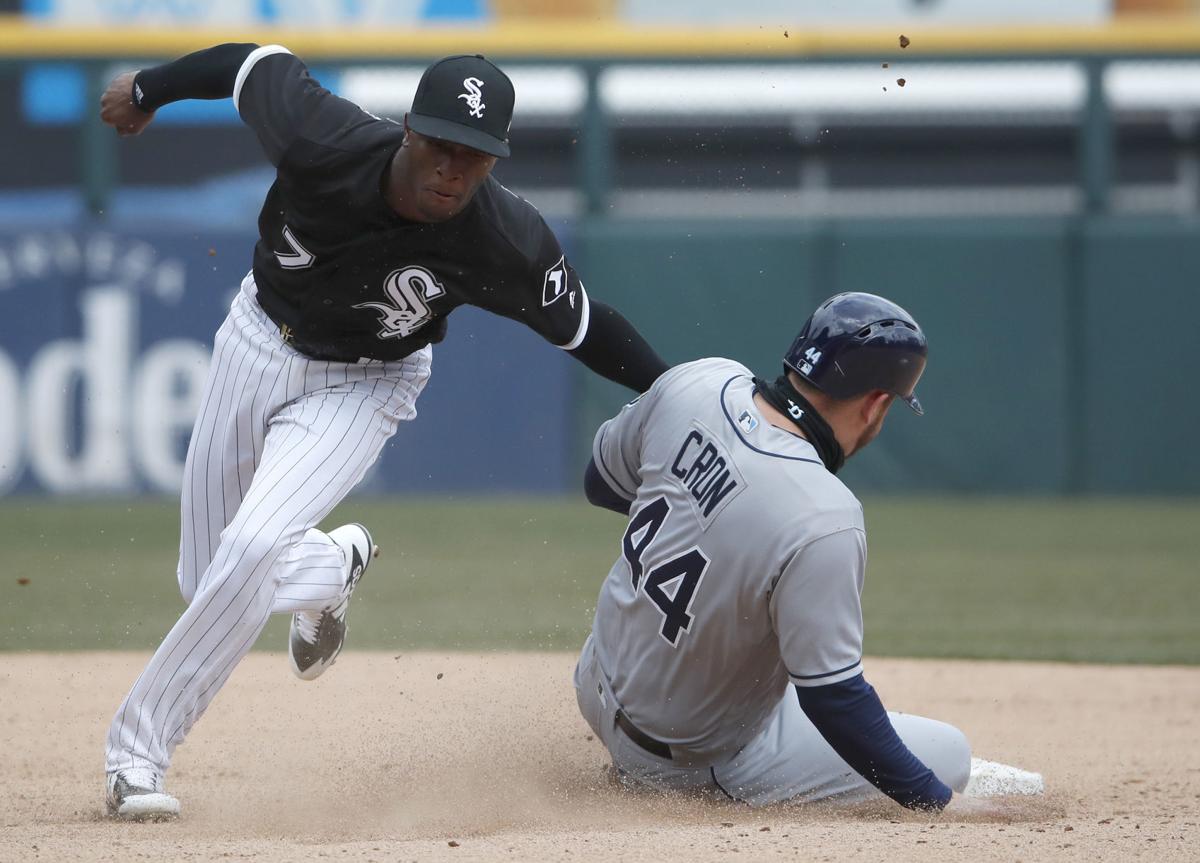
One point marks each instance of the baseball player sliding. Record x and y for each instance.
(373, 232)
(726, 651)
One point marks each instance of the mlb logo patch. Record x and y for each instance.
(746, 422)
(556, 282)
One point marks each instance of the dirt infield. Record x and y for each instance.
(469, 757)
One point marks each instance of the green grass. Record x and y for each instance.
(1094, 580)
(1099, 580)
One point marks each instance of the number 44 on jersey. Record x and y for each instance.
(681, 573)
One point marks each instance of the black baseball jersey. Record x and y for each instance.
(342, 274)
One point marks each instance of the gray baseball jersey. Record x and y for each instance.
(741, 567)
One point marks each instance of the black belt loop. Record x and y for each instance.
(641, 738)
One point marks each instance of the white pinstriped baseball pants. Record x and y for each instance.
(279, 441)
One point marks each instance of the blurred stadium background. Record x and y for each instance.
(1023, 176)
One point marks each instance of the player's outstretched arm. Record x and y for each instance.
(851, 718)
(130, 100)
(614, 349)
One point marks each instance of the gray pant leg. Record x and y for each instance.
(790, 760)
(636, 768)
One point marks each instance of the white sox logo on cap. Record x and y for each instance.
(474, 96)
(449, 104)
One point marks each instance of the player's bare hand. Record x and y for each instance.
(117, 108)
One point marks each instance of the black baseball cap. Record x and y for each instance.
(465, 99)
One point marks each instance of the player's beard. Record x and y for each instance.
(868, 434)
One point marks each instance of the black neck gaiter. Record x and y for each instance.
(782, 396)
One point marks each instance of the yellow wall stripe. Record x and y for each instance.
(22, 40)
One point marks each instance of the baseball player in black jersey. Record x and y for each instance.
(373, 232)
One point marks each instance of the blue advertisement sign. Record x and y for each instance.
(105, 341)
(317, 14)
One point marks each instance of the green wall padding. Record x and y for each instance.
(1140, 323)
(1052, 341)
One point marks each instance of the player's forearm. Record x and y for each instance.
(614, 349)
(207, 74)
(851, 718)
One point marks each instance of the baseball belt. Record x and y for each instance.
(316, 351)
(641, 738)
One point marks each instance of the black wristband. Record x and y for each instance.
(138, 93)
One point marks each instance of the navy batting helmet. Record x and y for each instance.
(855, 343)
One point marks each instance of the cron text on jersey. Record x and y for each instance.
(706, 471)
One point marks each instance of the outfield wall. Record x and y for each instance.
(105, 338)
(1056, 337)
(1063, 351)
